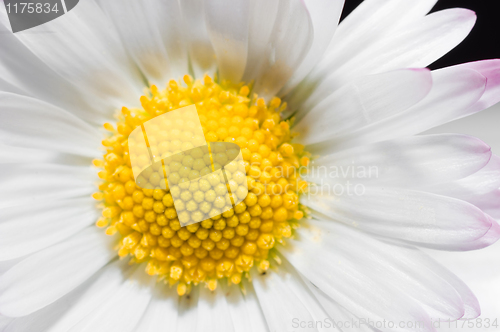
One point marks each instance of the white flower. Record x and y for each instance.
(357, 100)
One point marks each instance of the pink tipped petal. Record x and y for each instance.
(417, 217)
(365, 101)
(489, 203)
(454, 91)
(410, 162)
(487, 239)
(415, 45)
(473, 187)
(491, 70)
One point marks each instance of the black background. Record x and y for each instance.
(482, 43)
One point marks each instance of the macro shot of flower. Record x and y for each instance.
(243, 165)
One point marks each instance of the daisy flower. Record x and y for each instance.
(342, 193)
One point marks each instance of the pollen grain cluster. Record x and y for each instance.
(229, 244)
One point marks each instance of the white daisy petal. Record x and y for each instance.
(61, 315)
(6, 265)
(410, 162)
(26, 74)
(33, 227)
(55, 267)
(414, 46)
(4, 322)
(370, 22)
(187, 314)
(280, 305)
(245, 310)
(325, 15)
(470, 189)
(420, 44)
(10, 154)
(213, 311)
(424, 218)
(339, 316)
(297, 285)
(161, 311)
(201, 51)
(152, 33)
(31, 123)
(453, 92)
(289, 43)
(365, 101)
(260, 27)
(9, 87)
(353, 269)
(123, 310)
(87, 52)
(45, 182)
(227, 24)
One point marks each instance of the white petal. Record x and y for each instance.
(453, 91)
(427, 40)
(187, 319)
(353, 269)
(86, 51)
(245, 310)
(24, 73)
(45, 182)
(325, 15)
(8, 87)
(122, 310)
(46, 276)
(4, 322)
(338, 314)
(472, 187)
(280, 305)
(418, 217)
(152, 33)
(6, 265)
(161, 311)
(480, 269)
(227, 24)
(201, 51)
(213, 311)
(414, 162)
(296, 284)
(416, 45)
(10, 154)
(289, 43)
(27, 229)
(31, 123)
(74, 306)
(368, 24)
(365, 101)
(260, 27)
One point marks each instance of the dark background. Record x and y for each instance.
(482, 43)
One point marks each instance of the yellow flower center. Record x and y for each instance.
(229, 244)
